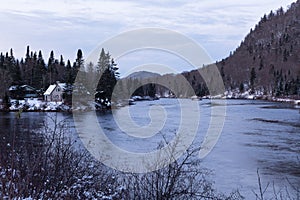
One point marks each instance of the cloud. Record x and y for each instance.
(65, 26)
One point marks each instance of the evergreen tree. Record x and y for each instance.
(103, 62)
(1, 61)
(61, 62)
(68, 74)
(242, 88)
(78, 66)
(151, 90)
(16, 76)
(107, 69)
(79, 62)
(51, 68)
(27, 53)
(68, 77)
(13, 68)
(222, 72)
(40, 72)
(252, 79)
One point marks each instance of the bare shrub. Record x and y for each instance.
(287, 192)
(182, 179)
(47, 165)
(50, 164)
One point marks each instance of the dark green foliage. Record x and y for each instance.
(6, 102)
(252, 77)
(271, 46)
(33, 71)
(285, 55)
(242, 88)
(52, 71)
(261, 64)
(151, 90)
(202, 90)
(145, 90)
(222, 72)
(40, 72)
(68, 74)
(13, 67)
(107, 70)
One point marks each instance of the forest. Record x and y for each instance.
(33, 70)
(267, 61)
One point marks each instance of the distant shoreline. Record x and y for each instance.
(69, 109)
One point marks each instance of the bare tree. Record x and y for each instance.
(49, 165)
(182, 179)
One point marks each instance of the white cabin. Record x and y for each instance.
(55, 92)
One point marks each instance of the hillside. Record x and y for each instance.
(266, 62)
(142, 75)
(271, 51)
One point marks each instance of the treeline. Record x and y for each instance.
(268, 58)
(37, 72)
(182, 85)
(266, 62)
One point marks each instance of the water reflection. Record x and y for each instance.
(256, 134)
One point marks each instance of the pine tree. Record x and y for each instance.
(27, 53)
(91, 78)
(79, 62)
(103, 62)
(78, 66)
(151, 90)
(252, 79)
(1, 61)
(242, 88)
(69, 82)
(51, 68)
(68, 73)
(40, 72)
(5, 77)
(222, 72)
(107, 69)
(61, 62)
(13, 68)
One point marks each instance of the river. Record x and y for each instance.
(257, 135)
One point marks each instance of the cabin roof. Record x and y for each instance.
(62, 85)
(21, 87)
(50, 89)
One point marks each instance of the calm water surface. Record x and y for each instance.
(256, 135)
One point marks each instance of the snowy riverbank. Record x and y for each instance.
(34, 104)
(37, 105)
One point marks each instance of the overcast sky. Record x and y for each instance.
(67, 25)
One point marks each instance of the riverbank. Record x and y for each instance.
(257, 96)
(37, 105)
(34, 105)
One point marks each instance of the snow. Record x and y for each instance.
(297, 102)
(62, 85)
(34, 104)
(12, 88)
(50, 89)
(52, 106)
(249, 94)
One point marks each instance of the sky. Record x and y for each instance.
(68, 25)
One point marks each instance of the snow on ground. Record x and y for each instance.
(34, 104)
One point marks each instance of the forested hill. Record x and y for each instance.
(270, 52)
(266, 62)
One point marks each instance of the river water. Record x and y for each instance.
(256, 135)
